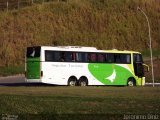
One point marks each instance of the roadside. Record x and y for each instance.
(156, 67)
(19, 78)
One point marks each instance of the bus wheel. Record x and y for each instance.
(72, 81)
(83, 81)
(131, 82)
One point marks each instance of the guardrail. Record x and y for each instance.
(150, 84)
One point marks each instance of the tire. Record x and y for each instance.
(72, 81)
(131, 82)
(83, 81)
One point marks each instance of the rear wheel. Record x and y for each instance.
(72, 81)
(131, 82)
(83, 81)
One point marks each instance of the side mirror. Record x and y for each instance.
(146, 68)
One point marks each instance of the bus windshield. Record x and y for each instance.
(137, 58)
(33, 52)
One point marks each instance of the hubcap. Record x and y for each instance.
(72, 83)
(130, 83)
(83, 83)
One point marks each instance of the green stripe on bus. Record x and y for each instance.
(110, 74)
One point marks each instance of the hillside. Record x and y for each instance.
(105, 24)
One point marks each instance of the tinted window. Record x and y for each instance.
(122, 58)
(52, 56)
(92, 57)
(118, 58)
(82, 57)
(33, 52)
(65, 56)
(100, 57)
(137, 58)
(109, 57)
(126, 58)
(69, 56)
(59, 56)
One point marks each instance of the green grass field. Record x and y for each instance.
(11, 70)
(52, 102)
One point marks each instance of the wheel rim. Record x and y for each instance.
(83, 83)
(72, 83)
(130, 83)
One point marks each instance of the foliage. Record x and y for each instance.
(11, 70)
(105, 24)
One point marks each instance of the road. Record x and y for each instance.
(17, 81)
(12, 81)
(20, 81)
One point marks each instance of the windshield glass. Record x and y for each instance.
(137, 58)
(33, 52)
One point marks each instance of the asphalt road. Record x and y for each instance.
(12, 80)
(20, 81)
(17, 81)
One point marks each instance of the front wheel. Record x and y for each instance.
(131, 82)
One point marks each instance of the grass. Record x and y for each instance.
(78, 102)
(11, 70)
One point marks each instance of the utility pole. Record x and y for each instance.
(150, 41)
(7, 5)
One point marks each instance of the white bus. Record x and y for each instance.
(75, 65)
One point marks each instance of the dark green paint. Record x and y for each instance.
(33, 68)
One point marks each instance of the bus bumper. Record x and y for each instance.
(32, 80)
(143, 81)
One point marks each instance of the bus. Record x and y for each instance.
(83, 66)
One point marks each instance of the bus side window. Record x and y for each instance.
(109, 57)
(125, 58)
(56, 56)
(48, 56)
(81, 57)
(68, 57)
(117, 58)
(92, 57)
(84, 57)
(53, 56)
(78, 57)
(100, 57)
(128, 59)
(74, 56)
(62, 57)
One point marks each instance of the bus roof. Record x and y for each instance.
(71, 48)
(84, 49)
(122, 51)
